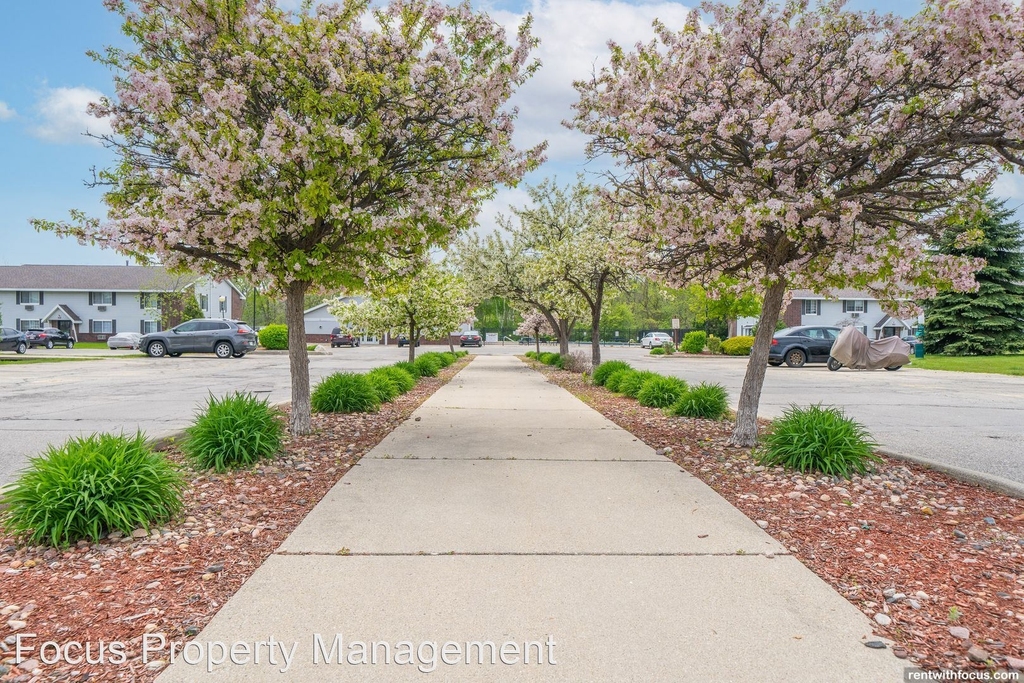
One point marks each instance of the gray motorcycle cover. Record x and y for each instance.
(854, 350)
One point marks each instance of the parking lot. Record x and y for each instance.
(969, 420)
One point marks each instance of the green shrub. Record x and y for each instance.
(274, 337)
(603, 371)
(443, 359)
(694, 342)
(669, 347)
(631, 385)
(427, 365)
(658, 351)
(345, 392)
(818, 439)
(737, 346)
(661, 392)
(530, 354)
(235, 430)
(546, 357)
(409, 368)
(557, 361)
(613, 382)
(400, 376)
(384, 386)
(714, 345)
(710, 401)
(89, 486)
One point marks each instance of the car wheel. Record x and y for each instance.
(796, 358)
(892, 368)
(237, 355)
(49, 343)
(833, 364)
(71, 344)
(223, 350)
(176, 354)
(357, 344)
(775, 363)
(157, 349)
(22, 347)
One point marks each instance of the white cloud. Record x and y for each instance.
(6, 113)
(1009, 186)
(63, 116)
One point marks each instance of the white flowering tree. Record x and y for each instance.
(303, 149)
(433, 302)
(534, 324)
(808, 146)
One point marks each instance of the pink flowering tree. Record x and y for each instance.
(303, 149)
(534, 324)
(809, 146)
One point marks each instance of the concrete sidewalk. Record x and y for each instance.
(512, 513)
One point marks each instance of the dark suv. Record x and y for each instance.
(339, 338)
(796, 346)
(49, 337)
(226, 338)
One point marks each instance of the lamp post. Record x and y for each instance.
(223, 308)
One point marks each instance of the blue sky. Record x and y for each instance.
(47, 79)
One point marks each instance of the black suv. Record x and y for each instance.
(339, 338)
(49, 337)
(226, 338)
(12, 340)
(796, 346)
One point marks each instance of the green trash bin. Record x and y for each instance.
(919, 350)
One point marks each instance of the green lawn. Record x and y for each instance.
(90, 345)
(31, 360)
(1000, 365)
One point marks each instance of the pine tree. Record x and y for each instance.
(991, 320)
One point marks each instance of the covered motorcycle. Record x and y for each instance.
(854, 350)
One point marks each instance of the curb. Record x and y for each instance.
(990, 481)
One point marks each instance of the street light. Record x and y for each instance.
(223, 307)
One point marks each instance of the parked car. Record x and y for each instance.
(404, 341)
(49, 337)
(471, 339)
(796, 346)
(124, 340)
(13, 340)
(339, 338)
(653, 339)
(526, 340)
(226, 338)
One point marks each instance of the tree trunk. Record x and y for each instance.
(745, 432)
(451, 347)
(536, 339)
(298, 358)
(595, 339)
(412, 341)
(563, 337)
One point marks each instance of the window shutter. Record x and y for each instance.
(17, 298)
(113, 298)
(17, 324)
(865, 305)
(90, 303)
(90, 320)
(113, 326)
(142, 299)
(142, 327)
(40, 298)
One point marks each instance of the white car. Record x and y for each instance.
(655, 339)
(124, 340)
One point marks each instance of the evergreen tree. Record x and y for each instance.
(991, 320)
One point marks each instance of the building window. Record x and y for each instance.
(855, 306)
(149, 300)
(150, 326)
(101, 298)
(101, 326)
(30, 298)
(812, 306)
(27, 325)
(204, 302)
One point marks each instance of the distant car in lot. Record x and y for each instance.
(471, 339)
(49, 337)
(13, 340)
(339, 338)
(796, 346)
(653, 339)
(526, 340)
(911, 339)
(404, 341)
(225, 338)
(124, 340)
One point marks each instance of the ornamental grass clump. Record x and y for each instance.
(661, 392)
(427, 365)
(386, 388)
(630, 385)
(90, 486)
(400, 376)
(818, 439)
(603, 371)
(345, 392)
(235, 430)
(409, 368)
(710, 401)
(658, 351)
(613, 382)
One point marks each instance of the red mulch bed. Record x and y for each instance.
(955, 551)
(173, 581)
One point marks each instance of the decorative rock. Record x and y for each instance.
(989, 520)
(977, 654)
(875, 644)
(914, 604)
(1015, 663)
(883, 619)
(889, 592)
(959, 534)
(793, 495)
(208, 576)
(16, 624)
(921, 595)
(763, 524)
(959, 632)
(140, 533)
(152, 584)
(900, 652)
(29, 665)
(215, 568)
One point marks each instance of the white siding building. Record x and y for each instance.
(839, 309)
(94, 302)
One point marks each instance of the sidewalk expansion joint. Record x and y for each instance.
(345, 553)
